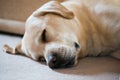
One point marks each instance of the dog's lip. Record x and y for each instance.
(42, 59)
(69, 63)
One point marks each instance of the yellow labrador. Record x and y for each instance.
(62, 32)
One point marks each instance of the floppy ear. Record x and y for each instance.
(54, 7)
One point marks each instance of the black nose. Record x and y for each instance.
(55, 61)
(52, 60)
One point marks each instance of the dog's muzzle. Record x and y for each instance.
(55, 61)
(62, 57)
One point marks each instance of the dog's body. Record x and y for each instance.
(64, 32)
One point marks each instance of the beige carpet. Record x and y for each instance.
(14, 67)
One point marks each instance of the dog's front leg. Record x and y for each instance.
(116, 54)
(12, 26)
(15, 50)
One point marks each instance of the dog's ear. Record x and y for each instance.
(54, 7)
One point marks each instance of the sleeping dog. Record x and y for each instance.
(63, 32)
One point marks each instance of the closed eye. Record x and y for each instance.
(44, 36)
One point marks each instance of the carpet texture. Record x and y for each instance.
(15, 67)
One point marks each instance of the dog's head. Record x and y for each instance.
(51, 33)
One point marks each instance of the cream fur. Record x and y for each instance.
(93, 24)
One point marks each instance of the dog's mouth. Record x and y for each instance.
(55, 61)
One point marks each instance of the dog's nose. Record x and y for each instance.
(52, 60)
(55, 61)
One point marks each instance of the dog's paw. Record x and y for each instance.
(8, 49)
